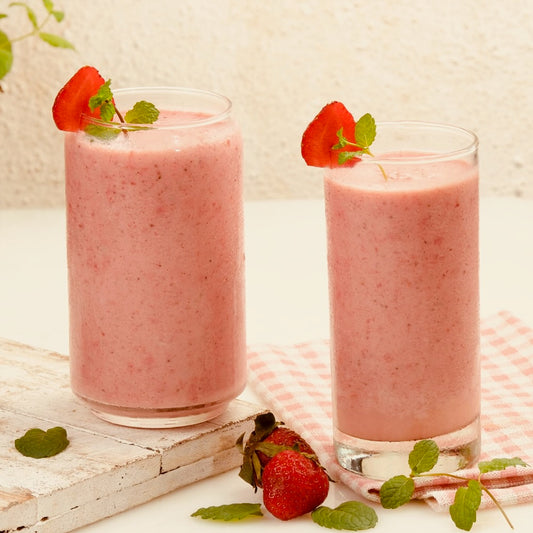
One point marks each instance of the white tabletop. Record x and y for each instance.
(286, 303)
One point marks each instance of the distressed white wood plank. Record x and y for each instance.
(92, 467)
(106, 468)
(136, 495)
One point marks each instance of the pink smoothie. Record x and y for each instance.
(403, 271)
(156, 266)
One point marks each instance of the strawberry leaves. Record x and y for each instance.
(251, 467)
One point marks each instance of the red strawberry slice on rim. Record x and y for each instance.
(72, 101)
(321, 135)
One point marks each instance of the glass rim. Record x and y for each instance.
(470, 145)
(190, 123)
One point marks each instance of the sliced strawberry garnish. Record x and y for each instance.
(72, 101)
(321, 135)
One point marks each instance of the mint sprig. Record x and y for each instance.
(398, 490)
(39, 444)
(142, 113)
(6, 43)
(365, 135)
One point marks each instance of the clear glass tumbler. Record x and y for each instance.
(156, 261)
(403, 262)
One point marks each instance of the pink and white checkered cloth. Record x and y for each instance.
(294, 381)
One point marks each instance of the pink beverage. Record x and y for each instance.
(156, 263)
(403, 268)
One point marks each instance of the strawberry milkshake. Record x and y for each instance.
(156, 263)
(404, 298)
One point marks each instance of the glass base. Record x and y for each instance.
(382, 460)
(156, 418)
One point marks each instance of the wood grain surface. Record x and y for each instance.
(105, 469)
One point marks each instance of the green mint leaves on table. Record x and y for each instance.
(351, 516)
(230, 512)
(395, 492)
(6, 43)
(398, 490)
(141, 113)
(38, 444)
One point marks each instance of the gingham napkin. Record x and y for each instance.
(294, 381)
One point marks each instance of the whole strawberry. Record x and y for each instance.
(293, 485)
(283, 436)
(268, 438)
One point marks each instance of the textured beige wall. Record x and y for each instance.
(457, 61)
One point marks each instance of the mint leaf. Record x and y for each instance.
(499, 464)
(104, 100)
(464, 508)
(38, 444)
(230, 512)
(55, 40)
(142, 113)
(346, 156)
(396, 491)
(365, 131)
(424, 456)
(102, 132)
(342, 140)
(352, 516)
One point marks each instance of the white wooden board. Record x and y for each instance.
(106, 469)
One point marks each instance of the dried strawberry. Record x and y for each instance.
(72, 101)
(293, 485)
(321, 136)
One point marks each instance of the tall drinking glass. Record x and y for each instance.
(403, 265)
(156, 262)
